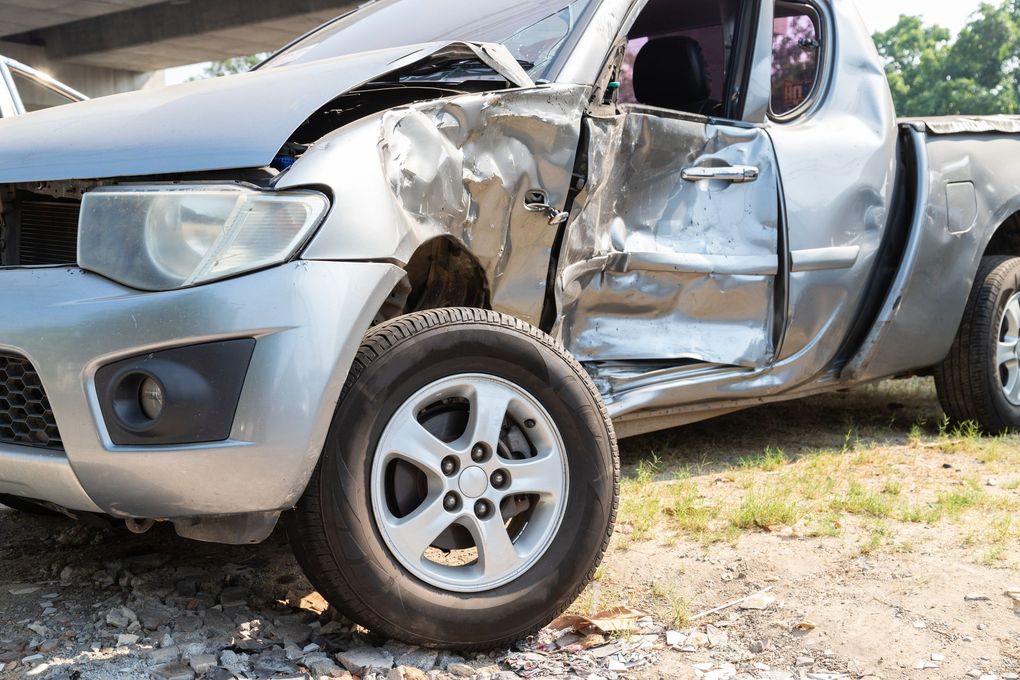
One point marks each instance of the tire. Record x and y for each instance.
(350, 533)
(972, 382)
(25, 506)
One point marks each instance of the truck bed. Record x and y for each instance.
(956, 125)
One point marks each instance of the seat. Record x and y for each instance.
(671, 73)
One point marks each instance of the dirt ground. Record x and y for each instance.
(873, 539)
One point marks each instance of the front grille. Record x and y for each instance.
(48, 233)
(25, 414)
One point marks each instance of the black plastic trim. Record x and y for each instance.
(202, 386)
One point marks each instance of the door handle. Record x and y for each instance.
(538, 201)
(736, 174)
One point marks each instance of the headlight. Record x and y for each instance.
(166, 237)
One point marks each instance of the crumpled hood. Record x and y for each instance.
(239, 121)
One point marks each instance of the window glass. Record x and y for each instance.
(534, 31)
(795, 56)
(676, 57)
(36, 96)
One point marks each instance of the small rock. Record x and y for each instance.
(364, 660)
(187, 623)
(164, 655)
(920, 624)
(759, 646)
(406, 673)
(976, 597)
(758, 601)
(24, 590)
(202, 663)
(125, 639)
(153, 619)
(804, 661)
(462, 670)
(234, 597)
(121, 617)
(804, 626)
(321, 665)
(938, 657)
(422, 659)
(218, 621)
(34, 658)
(675, 638)
(172, 671)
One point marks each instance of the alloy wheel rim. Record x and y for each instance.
(1007, 353)
(500, 484)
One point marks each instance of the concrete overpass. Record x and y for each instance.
(106, 46)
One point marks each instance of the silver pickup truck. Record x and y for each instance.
(406, 282)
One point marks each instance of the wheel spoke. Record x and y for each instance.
(542, 475)
(413, 534)
(489, 404)
(415, 444)
(1012, 318)
(496, 552)
(1005, 353)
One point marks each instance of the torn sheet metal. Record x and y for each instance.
(460, 168)
(958, 125)
(238, 121)
(495, 56)
(656, 267)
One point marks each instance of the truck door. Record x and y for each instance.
(675, 246)
(835, 133)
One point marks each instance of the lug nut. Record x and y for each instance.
(529, 423)
(479, 453)
(451, 502)
(482, 509)
(499, 479)
(449, 466)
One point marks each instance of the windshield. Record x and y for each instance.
(534, 31)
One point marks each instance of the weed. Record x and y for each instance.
(765, 508)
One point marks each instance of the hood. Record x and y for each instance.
(239, 121)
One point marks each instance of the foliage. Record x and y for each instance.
(931, 73)
(227, 67)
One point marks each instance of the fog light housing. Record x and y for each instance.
(151, 398)
(186, 395)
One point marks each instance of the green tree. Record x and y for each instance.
(931, 73)
(227, 67)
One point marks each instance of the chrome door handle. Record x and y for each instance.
(538, 201)
(737, 174)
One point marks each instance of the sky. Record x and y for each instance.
(953, 14)
(878, 14)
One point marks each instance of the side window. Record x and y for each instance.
(36, 96)
(677, 58)
(796, 48)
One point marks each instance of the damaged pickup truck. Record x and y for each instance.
(402, 282)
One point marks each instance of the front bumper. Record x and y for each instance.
(308, 319)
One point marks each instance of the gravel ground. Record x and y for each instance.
(81, 602)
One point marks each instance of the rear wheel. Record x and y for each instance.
(980, 379)
(468, 486)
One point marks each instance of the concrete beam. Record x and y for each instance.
(93, 81)
(168, 22)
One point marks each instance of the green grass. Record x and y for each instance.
(766, 507)
(859, 500)
(770, 460)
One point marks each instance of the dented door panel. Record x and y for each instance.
(658, 267)
(461, 168)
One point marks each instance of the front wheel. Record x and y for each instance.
(468, 486)
(980, 379)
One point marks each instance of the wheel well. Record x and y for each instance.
(441, 273)
(1006, 240)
